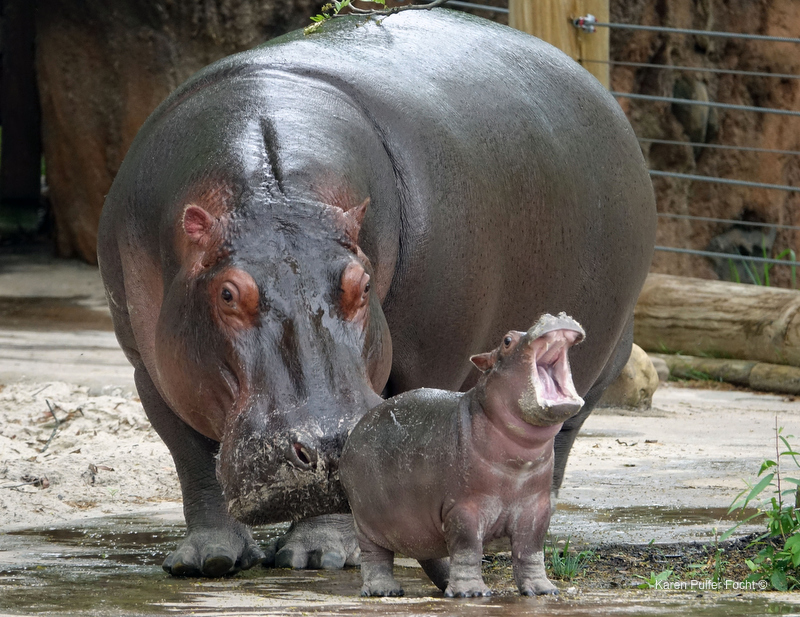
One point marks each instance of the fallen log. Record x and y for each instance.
(756, 375)
(697, 317)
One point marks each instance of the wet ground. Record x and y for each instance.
(111, 566)
(666, 475)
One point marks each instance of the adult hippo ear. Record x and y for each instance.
(360, 304)
(353, 219)
(201, 239)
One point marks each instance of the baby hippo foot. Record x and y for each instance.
(467, 588)
(538, 587)
(318, 543)
(530, 575)
(215, 552)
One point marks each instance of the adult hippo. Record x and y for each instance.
(326, 217)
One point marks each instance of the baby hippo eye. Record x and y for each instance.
(227, 296)
(507, 341)
(366, 288)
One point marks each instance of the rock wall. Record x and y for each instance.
(656, 120)
(104, 66)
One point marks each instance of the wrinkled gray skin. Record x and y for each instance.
(432, 474)
(300, 227)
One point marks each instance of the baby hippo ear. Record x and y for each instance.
(484, 361)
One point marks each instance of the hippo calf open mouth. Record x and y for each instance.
(551, 397)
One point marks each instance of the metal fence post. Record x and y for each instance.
(551, 21)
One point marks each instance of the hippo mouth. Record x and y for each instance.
(551, 397)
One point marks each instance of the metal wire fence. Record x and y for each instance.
(588, 23)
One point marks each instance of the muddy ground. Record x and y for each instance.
(89, 498)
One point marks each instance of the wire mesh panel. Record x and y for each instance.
(717, 113)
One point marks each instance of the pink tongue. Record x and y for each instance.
(549, 388)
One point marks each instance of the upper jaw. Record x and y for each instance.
(550, 397)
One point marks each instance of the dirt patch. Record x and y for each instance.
(66, 454)
(625, 566)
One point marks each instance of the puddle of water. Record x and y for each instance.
(642, 524)
(653, 515)
(51, 314)
(112, 566)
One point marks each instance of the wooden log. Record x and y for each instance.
(712, 318)
(756, 375)
(551, 21)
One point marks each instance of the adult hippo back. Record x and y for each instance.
(327, 217)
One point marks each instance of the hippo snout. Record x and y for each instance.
(285, 476)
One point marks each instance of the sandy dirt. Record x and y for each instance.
(102, 458)
(667, 474)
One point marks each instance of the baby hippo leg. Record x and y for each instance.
(529, 574)
(465, 545)
(527, 555)
(376, 569)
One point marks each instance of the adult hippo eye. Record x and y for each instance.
(236, 298)
(507, 341)
(367, 288)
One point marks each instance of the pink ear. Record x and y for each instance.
(353, 219)
(197, 223)
(484, 361)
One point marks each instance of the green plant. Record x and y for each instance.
(779, 560)
(335, 8)
(654, 581)
(762, 278)
(565, 565)
(716, 563)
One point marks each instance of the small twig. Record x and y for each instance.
(22, 484)
(53, 412)
(394, 9)
(39, 391)
(55, 429)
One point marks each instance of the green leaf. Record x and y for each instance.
(318, 18)
(778, 580)
(764, 483)
(766, 465)
(794, 481)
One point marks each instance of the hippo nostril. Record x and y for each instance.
(302, 456)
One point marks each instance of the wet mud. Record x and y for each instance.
(112, 566)
(46, 314)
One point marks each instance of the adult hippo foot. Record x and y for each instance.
(215, 552)
(382, 587)
(318, 543)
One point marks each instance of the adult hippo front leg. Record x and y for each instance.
(215, 544)
(568, 433)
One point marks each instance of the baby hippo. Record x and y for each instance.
(435, 475)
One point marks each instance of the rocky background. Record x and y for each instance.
(102, 68)
(715, 126)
